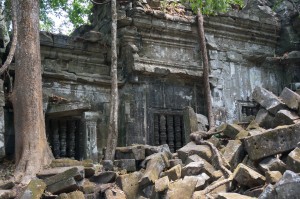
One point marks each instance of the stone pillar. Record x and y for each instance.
(89, 122)
(2, 127)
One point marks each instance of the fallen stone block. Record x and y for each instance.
(273, 141)
(129, 183)
(75, 172)
(72, 195)
(267, 100)
(174, 173)
(232, 196)
(148, 192)
(290, 98)
(89, 171)
(127, 164)
(264, 119)
(272, 164)
(65, 162)
(7, 194)
(136, 152)
(234, 153)
(242, 134)
(254, 192)
(273, 176)
(87, 187)
(162, 184)
(34, 189)
(286, 188)
(155, 166)
(5, 185)
(293, 160)
(108, 165)
(285, 117)
(201, 180)
(64, 186)
(46, 173)
(247, 176)
(232, 130)
(183, 188)
(149, 150)
(114, 193)
(174, 162)
(193, 168)
(191, 148)
(104, 177)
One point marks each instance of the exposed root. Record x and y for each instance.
(212, 187)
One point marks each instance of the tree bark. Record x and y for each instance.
(32, 151)
(114, 104)
(207, 90)
(14, 40)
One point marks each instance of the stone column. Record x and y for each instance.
(2, 127)
(89, 122)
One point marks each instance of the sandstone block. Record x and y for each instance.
(293, 160)
(129, 183)
(108, 165)
(174, 173)
(75, 172)
(7, 194)
(285, 117)
(290, 98)
(162, 184)
(64, 186)
(174, 162)
(232, 196)
(57, 170)
(264, 119)
(271, 164)
(72, 195)
(34, 189)
(104, 177)
(191, 148)
(136, 152)
(286, 188)
(234, 153)
(267, 100)
(273, 141)
(201, 180)
(232, 130)
(65, 162)
(114, 193)
(273, 176)
(247, 176)
(183, 188)
(128, 164)
(193, 168)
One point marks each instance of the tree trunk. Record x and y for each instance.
(207, 90)
(114, 103)
(31, 148)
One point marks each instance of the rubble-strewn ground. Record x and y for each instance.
(6, 169)
(258, 160)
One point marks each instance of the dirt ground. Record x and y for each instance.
(6, 169)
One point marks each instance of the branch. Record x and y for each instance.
(14, 41)
(99, 3)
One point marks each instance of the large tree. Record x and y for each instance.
(31, 148)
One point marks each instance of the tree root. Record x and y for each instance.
(212, 187)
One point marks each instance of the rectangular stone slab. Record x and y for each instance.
(274, 141)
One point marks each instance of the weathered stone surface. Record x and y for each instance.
(162, 184)
(242, 134)
(136, 152)
(201, 180)
(232, 130)
(174, 173)
(104, 177)
(247, 176)
(87, 187)
(128, 164)
(273, 176)
(232, 196)
(72, 195)
(234, 153)
(273, 141)
(272, 164)
(149, 150)
(6, 184)
(285, 117)
(264, 119)
(286, 188)
(108, 165)
(7, 194)
(191, 148)
(65, 162)
(190, 121)
(193, 168)
(293, 160)
(64, 186)
(183, 188)
(34, 189)
(267, 99)
(75, 172)
(129, 183)
(290, 98)
(114, 193)
(56, 170)
(89, 171)
(174, 162)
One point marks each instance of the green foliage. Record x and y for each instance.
(211, 7)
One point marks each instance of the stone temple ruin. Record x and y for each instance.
(160, 74)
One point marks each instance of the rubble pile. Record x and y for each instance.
(260, 160)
